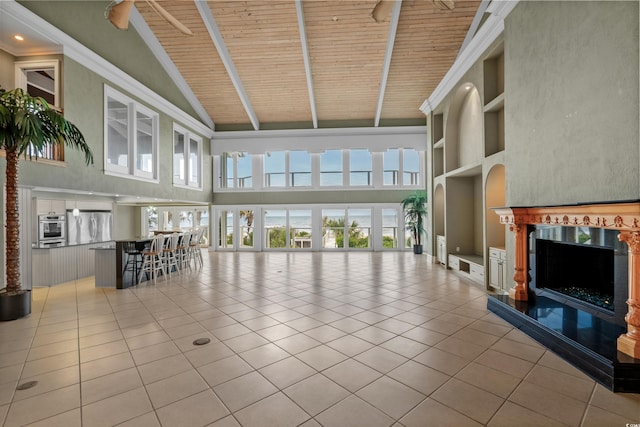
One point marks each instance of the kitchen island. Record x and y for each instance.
(125, 279)
(60, 264)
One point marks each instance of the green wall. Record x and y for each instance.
(85, 22)
(571, 103)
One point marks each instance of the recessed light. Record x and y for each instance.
(18, 37)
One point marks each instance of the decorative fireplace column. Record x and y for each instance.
(624, 217)
(629, 343)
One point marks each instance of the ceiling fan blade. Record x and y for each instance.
(118, 13)
(169, 17)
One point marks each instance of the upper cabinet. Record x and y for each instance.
(50, 206)
(493, 68)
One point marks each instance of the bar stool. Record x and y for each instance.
(152, 259)
(194, 247)
(183, 251)
(170, 253)
(133, 261)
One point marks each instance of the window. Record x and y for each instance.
(359, 228)
(389, 228)
(131, 137)
(300, 229)
(275, 229)
(300, 169)
(42, 79)
(187, 158)
(236, 164)
(391, 166)
(331, 168)
(275, 169)
(360, 169)
(333, 228)
(410, 167)
(246, 227)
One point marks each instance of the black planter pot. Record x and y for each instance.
(417, 249)
(15, 306)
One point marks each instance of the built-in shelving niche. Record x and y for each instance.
(494, 141)
(438, 145)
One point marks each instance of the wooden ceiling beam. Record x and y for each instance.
(218, 41)
(307, 63)
(393, 27)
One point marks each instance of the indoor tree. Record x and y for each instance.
(27, 125)
(415, 211)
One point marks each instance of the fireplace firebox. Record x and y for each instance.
(582, 267)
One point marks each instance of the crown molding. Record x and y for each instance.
(94, 62)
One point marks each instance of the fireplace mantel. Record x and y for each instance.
(623, 216)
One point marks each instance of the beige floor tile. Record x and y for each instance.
(48, 381)
(101, 338)
(505, 363)
(321, 357)
(264, 355)
(419, 377)
(460, 348)
(186, 344)
(442, 361)
(44, 339)
(510, 415)
(442, 326)
(490, 328)
(185, 330)
(486, 378)
(316, 393)
(43, 406)
(404, 346)
(297, 343)
(623, 404)
(116, 409)
(10, 374)
(468, 400)
(175, 388)
(71, 418)
(146, 328)
(245, 390)
(549, 403)
(325, 333)
(350, 345)
(381, 359)
(260, 323)
(596, 417)
(163, 368)
(391, 397)
(374, 335)
(103, 350)
(224, 370)
(574, 387)
(110, 385)
(474, 336)
(516, 349)
(425, 336)
(106, 365)
(144, 340)
(349, 325)
(154, 352)
(230, 331)
(352, 374)
(276, 410)
(245, 342)
(286, 372)
(146, 420)
(553, 361)
(48, 364)
(85, 331)
(304, 323)
(52, 349)
(353, 412)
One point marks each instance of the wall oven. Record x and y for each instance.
(51, 230)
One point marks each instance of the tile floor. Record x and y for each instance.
(332, 339)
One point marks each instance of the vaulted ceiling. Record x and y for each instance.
(261, 64)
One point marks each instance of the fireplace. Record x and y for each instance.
(586, 268)
(565, 258)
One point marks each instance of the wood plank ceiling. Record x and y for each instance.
(267, 79)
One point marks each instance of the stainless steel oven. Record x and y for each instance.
(52, 230)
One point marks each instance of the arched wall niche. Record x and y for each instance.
(495, 189)
(464, 128)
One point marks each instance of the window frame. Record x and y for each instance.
(133, 107)
(186, 155)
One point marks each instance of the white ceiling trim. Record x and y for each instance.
(474, 24)
(216, 37)
(393, 27)
(94, 62)
(486, 35)
(161, 55)
(307, 63)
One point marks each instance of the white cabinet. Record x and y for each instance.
(469, 266)
(497, 269)
(50, 206)
(441, 250)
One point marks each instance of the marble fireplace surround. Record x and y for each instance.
(623, 217)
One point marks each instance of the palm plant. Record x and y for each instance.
(27, 125)
(415, 211)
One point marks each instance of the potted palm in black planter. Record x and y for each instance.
(27, 125)
(415, 211)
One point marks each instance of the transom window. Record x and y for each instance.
(131, 137)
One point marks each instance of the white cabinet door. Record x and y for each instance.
(441, 250)
(58, 206)
(495, 272)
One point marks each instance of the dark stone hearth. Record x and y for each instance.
(586, 341)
